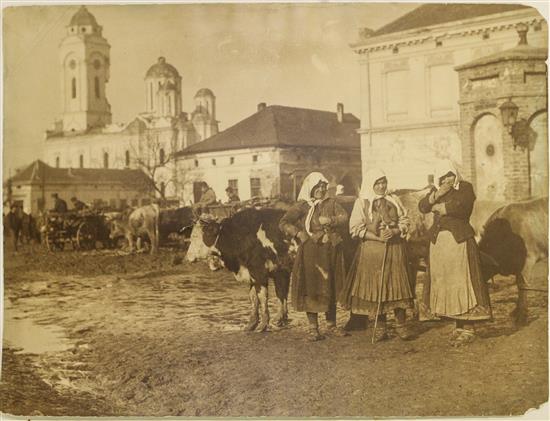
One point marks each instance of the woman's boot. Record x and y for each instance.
(313, 330)
(401, 327)
(381, 332)
(463, 334)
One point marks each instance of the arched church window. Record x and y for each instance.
(105, 160)
(96, 87)
(56, 162)
(73, 88)
(81, 161)
(127, 158)
(162, 188)
(162, 156)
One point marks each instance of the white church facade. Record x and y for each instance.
(85, 137)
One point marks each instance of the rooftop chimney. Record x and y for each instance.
(340, 112)
(261, 106)
(522, 30)
(365, 33)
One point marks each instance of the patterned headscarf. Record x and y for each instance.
(311, 181)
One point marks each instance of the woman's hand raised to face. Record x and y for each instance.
(443, 190)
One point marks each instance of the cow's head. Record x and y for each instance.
(210, 230)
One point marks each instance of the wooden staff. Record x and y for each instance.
(380, 292)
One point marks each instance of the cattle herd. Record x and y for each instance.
(249, 243)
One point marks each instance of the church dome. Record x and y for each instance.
(162, 69)
(204, 92)
(82, 17)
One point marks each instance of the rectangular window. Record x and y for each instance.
(196, 162)
(123, 203)
(73, 88)
(254, 158)
(213, 161)
(255, 187)
(234, 184)
(96, 88)
(443, 89)
(232, 160)
(397, 93)
(135, 203)
(145, 202)
(112, 203)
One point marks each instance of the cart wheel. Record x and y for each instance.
(85, 237)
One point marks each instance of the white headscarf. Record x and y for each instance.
(308, 184)
(442, 168)
(367, 192)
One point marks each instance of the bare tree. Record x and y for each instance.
(153, 158)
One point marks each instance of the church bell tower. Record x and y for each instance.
(84, 60)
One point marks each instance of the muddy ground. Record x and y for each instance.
(126, 335)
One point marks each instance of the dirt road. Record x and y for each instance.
(120, 335)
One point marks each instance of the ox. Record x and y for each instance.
(516, 237)
(174, 222)
(251, 246)
(143, 221)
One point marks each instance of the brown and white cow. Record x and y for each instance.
(141, 222)
(251, 246)
(516, 237)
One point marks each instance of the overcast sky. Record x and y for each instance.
(285, 54)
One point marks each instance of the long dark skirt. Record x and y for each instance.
(317, 276)
(365, 286)
(455, 288)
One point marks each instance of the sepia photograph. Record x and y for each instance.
(285, 210)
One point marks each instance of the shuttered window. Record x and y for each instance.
(255, 187)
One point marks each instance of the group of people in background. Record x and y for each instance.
(21, 226)
(378, 281)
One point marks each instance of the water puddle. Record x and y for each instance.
(25, 334)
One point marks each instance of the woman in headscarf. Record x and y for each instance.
(455, 288)
(378, 281)
(318, 271)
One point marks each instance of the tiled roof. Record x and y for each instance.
(39, 171)
(435, 14)
(281, 126)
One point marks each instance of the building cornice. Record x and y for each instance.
(455, 29)
(251, 149)
(412, 126)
